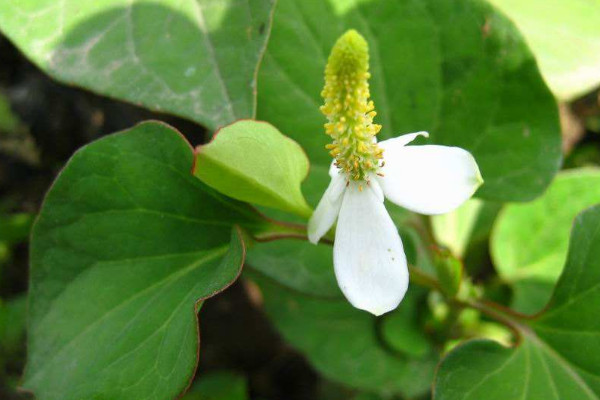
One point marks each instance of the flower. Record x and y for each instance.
(369, 260)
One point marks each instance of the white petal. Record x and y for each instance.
(376, 188)
(333, 170)
(327, 209)
(428, 179)
(403, 140)
(368, 256)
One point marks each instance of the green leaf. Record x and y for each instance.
(222, 385)
(196, 59)
(401, 329)
(559, 354)
(449, 272)
(544, 226)
(8, 120)
(457, 69)
(297, 264)
(342, 343)
(253, 162)
(127, 245)
(15, 227)
(565, 39)
(12, 327)
(457, 229)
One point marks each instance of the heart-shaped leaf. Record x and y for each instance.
(197, 59)
(544, 225)
(559, 354)
(457, 69)
(253, 162)
(127, 244)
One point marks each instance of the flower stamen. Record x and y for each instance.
(348, 109)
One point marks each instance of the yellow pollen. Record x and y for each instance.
(348, 109)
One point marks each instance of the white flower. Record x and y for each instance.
(369, 261)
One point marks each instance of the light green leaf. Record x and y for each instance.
(253, 162)
(127, 244)
(457, 229)
(449, 272)
(559, 354)
(565, 39)
(530, 241)
(342, 343)
(222, 385)
(197, 59)
(457, 69)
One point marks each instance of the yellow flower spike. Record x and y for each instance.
(348, 108)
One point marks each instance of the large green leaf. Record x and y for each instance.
(127, 244)
(559, 355)
(297, 264)
(544, 226)
(565, 38)
(455, 68)
(253, 162)
(197, 59)
(343, 343)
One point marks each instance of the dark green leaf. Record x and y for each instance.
(559, 354)
(401, 330)
(297, 264)
(342, 343)
(127, 244)
(12, 326)
(15, 227)
(457, 69)
(219, 386)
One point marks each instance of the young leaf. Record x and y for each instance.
(558, 357)
(253, 162)
(544, 226)
(127, 244)
(565, 39)
(197, 59)
(459, 70)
